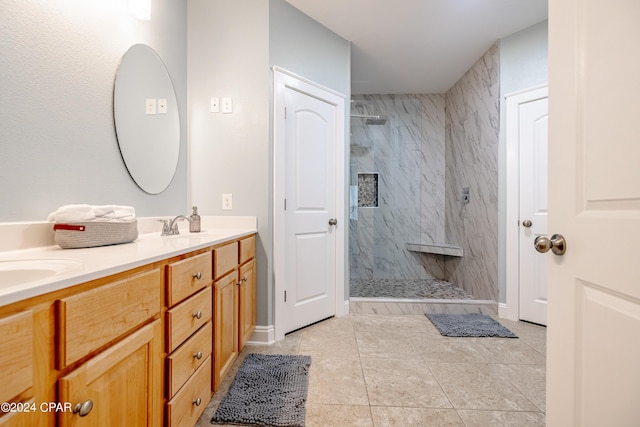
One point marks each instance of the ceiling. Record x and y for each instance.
(419, 46)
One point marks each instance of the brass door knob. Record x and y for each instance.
(557, 244)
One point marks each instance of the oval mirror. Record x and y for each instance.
(147, 119)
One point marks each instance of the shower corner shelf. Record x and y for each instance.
(436, 248)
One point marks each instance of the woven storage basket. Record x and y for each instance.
(95, 233)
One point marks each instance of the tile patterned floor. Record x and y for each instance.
(374, 370)
(406, 288)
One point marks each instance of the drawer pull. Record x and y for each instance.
(197, 275)
(83, 409)
(197, 401)
(197, 355)
(241, 281)
(197, 315)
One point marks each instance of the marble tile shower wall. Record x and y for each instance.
(472, 128)
(408, 154)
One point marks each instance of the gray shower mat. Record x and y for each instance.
(469, 325)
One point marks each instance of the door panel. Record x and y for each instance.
(311, 277)
(310, 196)
(593, 377)
(311, 161)
(533, 137)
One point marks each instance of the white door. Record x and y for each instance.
(593, 371)
(311, 220)
(310, 139)
(533, 136)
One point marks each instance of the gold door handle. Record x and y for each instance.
(557, 244)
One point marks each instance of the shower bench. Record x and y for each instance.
(436, 248)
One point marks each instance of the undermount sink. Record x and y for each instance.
(17, 272)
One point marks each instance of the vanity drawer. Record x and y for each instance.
(187, 317)
(225, 259)
(16, 355)
(183, 362)
(186, 277)
(192, 399)
(91, 319)
(247, 249)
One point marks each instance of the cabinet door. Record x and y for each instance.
(247, 303)
(16, 370)
(226, 326)
(16, 356)
(123, 383)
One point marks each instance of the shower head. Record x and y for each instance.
(376, 121)
(371, 120)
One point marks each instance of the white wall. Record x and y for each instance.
(301, 45)
(232, 45)
(523, 64)
(229, 153)
(58, 61)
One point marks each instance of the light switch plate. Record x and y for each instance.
(227, 105)
(150, 106)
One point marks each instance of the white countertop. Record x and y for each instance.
(93, 263)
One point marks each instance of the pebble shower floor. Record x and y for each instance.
(406, 288)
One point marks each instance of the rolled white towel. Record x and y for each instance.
(114, 212)
(124, 212)
(84, 213)
(72, 213)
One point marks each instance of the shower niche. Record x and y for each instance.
(367, 190)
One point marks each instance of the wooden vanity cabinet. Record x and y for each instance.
(234, 273)
(112, 324)
(189, 338)
(140, 347)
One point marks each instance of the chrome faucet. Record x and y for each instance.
(170, 227)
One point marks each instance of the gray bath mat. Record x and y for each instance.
(268, 390)
(469, 325)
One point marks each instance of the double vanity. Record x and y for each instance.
(134, 334)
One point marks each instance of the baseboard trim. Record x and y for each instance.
(505, 312)
(346, 308)
(263, 335)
